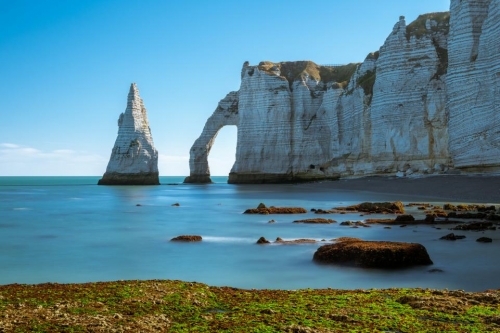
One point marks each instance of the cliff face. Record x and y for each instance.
(405, 115)
(424, 103)
(474, 84)
(134, 160)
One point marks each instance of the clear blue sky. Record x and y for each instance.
(66, 67)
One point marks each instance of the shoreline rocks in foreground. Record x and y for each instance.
(373, 254)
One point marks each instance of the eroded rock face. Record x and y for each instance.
(474, 84)
(134, 159)
(426, 102)
(408, 107)
(225, 114)
(287, 128)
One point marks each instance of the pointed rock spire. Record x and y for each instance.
(134, 159)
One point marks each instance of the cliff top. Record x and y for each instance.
(419, 27)
(295, 70)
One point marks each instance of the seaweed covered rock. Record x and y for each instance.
(373, 254)
(187, 238)
(279, 240)
(396, 207)
(404, 218)
(275, 210)
(476, 226)
(316, 221)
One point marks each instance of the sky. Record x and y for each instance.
(66, 68)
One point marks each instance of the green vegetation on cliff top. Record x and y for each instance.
(295, 70)
(417, 28)
(175, 306)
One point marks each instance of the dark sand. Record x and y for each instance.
(453, 188)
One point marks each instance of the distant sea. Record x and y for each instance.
(68, 229)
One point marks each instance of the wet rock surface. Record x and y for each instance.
(373, 254)
(276, 210)
(484, 240)
(316, 221)
(396, 207)
(452, 237)
(187, 238)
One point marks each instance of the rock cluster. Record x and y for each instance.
(275, 210)
(426, 102)
(134, 159)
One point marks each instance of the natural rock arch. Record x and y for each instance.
(225, 114)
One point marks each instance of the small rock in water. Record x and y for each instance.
(452, 236)
(484, 240)
(187, 238)
(271, 221)
(404, 218)
(263, 240)
(435, 270)
(176, 204)
(138, 205)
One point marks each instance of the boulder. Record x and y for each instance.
(374, 254)
(187, 238)
(404, 218)
(263, 240)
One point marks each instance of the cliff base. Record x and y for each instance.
(142, 178)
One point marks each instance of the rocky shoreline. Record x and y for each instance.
(176, 306)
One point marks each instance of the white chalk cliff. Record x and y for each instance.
(474, 85)
(426, 102)
(134, 159)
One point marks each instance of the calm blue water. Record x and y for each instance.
(67, 229)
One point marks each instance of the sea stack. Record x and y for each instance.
(134, 159)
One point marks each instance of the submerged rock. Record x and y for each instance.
(134, 159)
(375, 254)
(484, 240)
(316, 221)
(279, 240)
(452, 237)
(476, 226)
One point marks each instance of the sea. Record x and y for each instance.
(69, 230)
